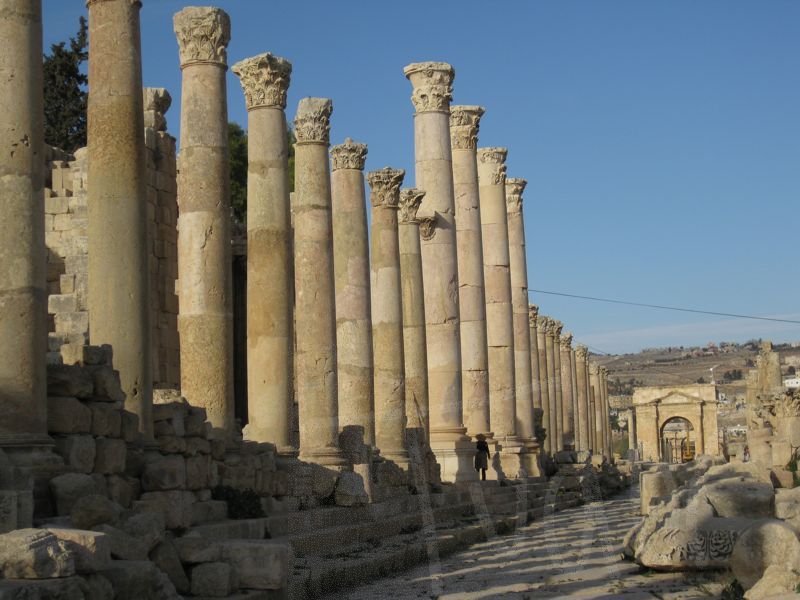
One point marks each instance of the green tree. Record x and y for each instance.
(237, 156)
(237, 148)
(65, 92)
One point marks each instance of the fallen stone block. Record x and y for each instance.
(68, 488)
(121, 490)
(259, 565)
(166, 558)
(214, 580)
(130, 426)
(66, 588)
(169, 473)
(209, 511)
(94, 509)
(69, 380)
(145, 526)
(197, 471)
(99, 587)
(78, 452)
(67, 415)
(106, 385)
(350, 490)
(139, 580)
(34, 554)
(175, 506)
(195, 549)
(764, 543)
(123, 545)
(90, 549)
(106, 419)
(110, 456)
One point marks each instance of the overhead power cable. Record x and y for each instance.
(662, 307)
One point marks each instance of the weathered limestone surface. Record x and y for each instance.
(23, 338)
(464, 124)
(567, 408)
(542, 326)
(558, 384)
(315, 318)
(536, 383)
(387, 315)
(582, 372)
(518, 266)
(599, 431)
(499, 315)
(352, 281)
(432, 91)
(265, 80)
(414, 344)
(118, 264)
(603, 381)
(205, 320)
(549, 329)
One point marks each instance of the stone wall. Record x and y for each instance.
(67, 245)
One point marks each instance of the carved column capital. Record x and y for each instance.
(433, 85)
(514, 188)
(427, 226)
(410, 199)
(384, 185)
(533, 315)
(495, 157)
(203, 34)
(312, 123)
(593, 368)
(265, 80)
(545, 324)
(350, 155)
(464, 125)
(557, 327)
(581, 352)
(566, 341)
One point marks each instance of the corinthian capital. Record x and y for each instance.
(593, 368)
(514, 188)
(427, 226)
(384, 186)
(203, 34)
(312, 123)
(265, 80)
(557, 327)
(566, 341)
(350, 155)
(545, 324)
(533, 315)
(581, 352)
(464, 125)
(433, 85)
(495, 158)
(410, 199)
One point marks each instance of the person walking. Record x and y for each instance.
(481, 455)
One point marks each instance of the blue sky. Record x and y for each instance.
(660, 139)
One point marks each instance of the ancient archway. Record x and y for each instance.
(660, 410)
(678, 440)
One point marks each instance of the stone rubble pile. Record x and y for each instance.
(708, 514)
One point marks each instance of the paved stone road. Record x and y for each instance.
(572, 554)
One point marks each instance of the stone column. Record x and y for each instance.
(594, 376)
(352, 273)
(23, 287)
(118, 299)
(592, 420)
(542, 327)
(205, 316)
(464, 123)
(315, 318)
(550, 346)
(387, 315)
(518, 266)
(558, 384)
(632, 431)
(432, 91)
(536, 384)
(414, 347)
(581, 356)
(567, 412)
(265, 80)
(609, 440)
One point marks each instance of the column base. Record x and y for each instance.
(456, 459)
(448, 434)
(398, 457)
(531, 461)
(509, 461)
(326, 457)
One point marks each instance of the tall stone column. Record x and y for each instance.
(205, 316)
(518, 266)
(581, 371)
(593, 421)
(558, 384)
(23, 286)
(536, 383)
(574, 372)
(550, 346)
(352, 282)
(118, 299)
(567, 413)
(414, 347)
(600, 444)
(432, 90)
(315, 318)
(542, 328)
(632, 444)
(464, 123)
(609, 438)
(387, 315)
(265, 80)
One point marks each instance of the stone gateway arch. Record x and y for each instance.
(656, 407)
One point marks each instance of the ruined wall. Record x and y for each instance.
(67, 245)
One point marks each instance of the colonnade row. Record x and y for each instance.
(423, 326)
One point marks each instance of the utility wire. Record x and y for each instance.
(658, 306)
